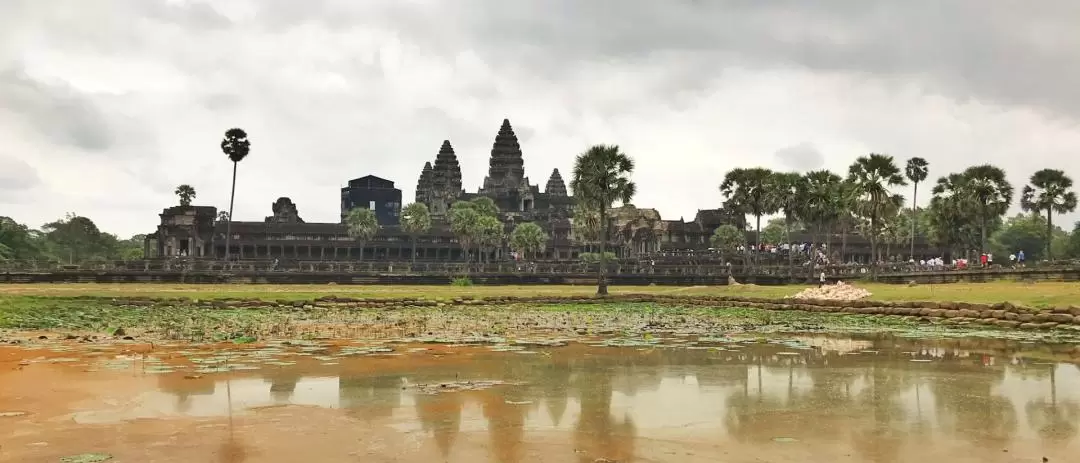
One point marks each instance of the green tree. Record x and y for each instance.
(585, 225)
(774, 232)
(75, 238)
(1072, 243)
(871, 176)
(951, 220)
(485, 206)
(186, 193)
(362, 225)
(752, 192)
(788, 188)
(236, 146)
(727, 239)
(528, 238)
(822, 194)
(132, 248)
(415, 220)
(991, 195)
(1024, 231)
(602, 177)
(916, 171)
(464, 223)
(19, 242)
(490, 232)
(1050, 191)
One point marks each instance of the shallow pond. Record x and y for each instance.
(787, 399)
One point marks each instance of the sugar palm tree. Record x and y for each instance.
(871, 176)
(916, 171)
(788, 190)
(750, 191)
(416, 220)
(602, 177)
(951, 213)
(361, 225)
(236, 146)
(528, 238)
(464, 223)
(186, 193)
(1051, 191)
(992, 194)
(821, 198)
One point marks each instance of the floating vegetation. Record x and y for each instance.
(87, 458)
(455, 386)
(363, 350)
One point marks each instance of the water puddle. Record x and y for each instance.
(649, 398)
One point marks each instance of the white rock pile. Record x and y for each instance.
(838, 292)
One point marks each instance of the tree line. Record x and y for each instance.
(71, 239)
(966, 212)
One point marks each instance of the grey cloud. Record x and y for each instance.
(56, 111)
(802, 157)
(1009, 53)
(16, 176)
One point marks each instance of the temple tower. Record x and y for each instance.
(445, 180)
(555, 185)
(423, 186)
(506, 168)
(506, 183)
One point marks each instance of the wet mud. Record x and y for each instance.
(686, 398)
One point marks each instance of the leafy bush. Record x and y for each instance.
(461, 281)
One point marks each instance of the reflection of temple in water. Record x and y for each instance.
(878, 394)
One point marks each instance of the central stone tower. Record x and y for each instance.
(506, 182)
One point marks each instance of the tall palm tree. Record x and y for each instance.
(750, 191)
(186, 193)
(464, 223)
(871, 176)
(415, 220)
(951, 213)
(822, 205)
(1051, 191)
(917, 170)
(362, 225)
(602, 177)
(236, 146)
(992, 194)
(788, 190)
(528, 238)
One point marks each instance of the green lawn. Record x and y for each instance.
(1038, 294)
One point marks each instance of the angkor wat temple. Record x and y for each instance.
(195, 231)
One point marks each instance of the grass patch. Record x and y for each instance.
(1042, 294)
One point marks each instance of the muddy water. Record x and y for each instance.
(798, 399)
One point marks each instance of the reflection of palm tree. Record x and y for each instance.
(880, 443)
(965, 400)
(232, 451)
(596, 435)
(1054, 421)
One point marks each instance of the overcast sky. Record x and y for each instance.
(107, 105)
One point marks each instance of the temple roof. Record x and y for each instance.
(446, 174)
(506, 168)
(555, 185)
(423, 185)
